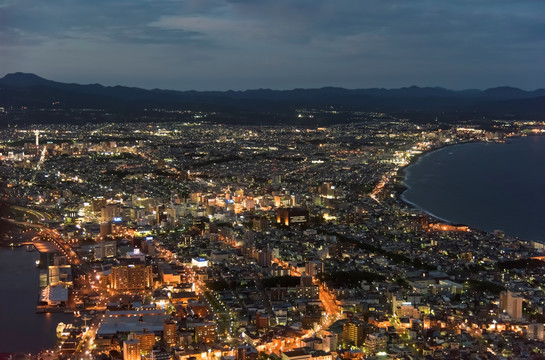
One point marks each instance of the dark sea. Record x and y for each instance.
(488, 186)
(21, 329)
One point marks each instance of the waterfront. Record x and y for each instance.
(489, 186)
(21, 329)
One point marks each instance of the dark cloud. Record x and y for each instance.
(218, 44)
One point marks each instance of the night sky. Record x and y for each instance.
(279, 44)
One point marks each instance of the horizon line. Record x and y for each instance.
(282, 89)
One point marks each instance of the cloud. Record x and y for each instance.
(285, 43)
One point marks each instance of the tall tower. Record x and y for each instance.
(37, 134)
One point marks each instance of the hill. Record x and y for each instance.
(33, 92)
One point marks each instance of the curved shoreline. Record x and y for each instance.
(403, 187)
(402, 172)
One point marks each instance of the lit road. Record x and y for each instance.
(49, 235)
(330, 306)
(85, 346)
(38, 215)
(64, 248)
(41, 246)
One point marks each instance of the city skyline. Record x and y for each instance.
(221, 45)
(272, 180)
(187, 240)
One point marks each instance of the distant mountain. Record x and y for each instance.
(23, 79)
(30, 90)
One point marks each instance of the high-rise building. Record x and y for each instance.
(105, 229)
(161, 214)
(97, 204)
(131, 277)
(511, 304)
(306, 289)
(205, 333)
(330, 341)
(261, 320)
(354, 332)
(147, 341)
(170, 333)
(110, 211)
(131, 349)
(314, 267)
(536, 331)
(264, 257)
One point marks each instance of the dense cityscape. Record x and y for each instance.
(191, 240)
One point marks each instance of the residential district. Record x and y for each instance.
(201, 241)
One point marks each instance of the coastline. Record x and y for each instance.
(510, 231)
(401, 175)
(402, 186)
(402, 172)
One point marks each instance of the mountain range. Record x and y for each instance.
(31, 91)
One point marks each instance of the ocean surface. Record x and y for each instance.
(21, 329)
(488, 186)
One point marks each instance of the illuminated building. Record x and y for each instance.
(314, 268)
(327, 190)
(511, 304)
(376, 342)
(199, 262)
(306, 289)
(205, 333)
(264, 257)
(131, 277)
(292, 216)
(97, 204)
(131, 350)
(61, 274)
(261, 321)
(536, 331)
(105, 249)
(354, 332)
(168, 275)
(110, 211)
(54, 295)
(330, 341)
(170, 333)
(147, 341)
